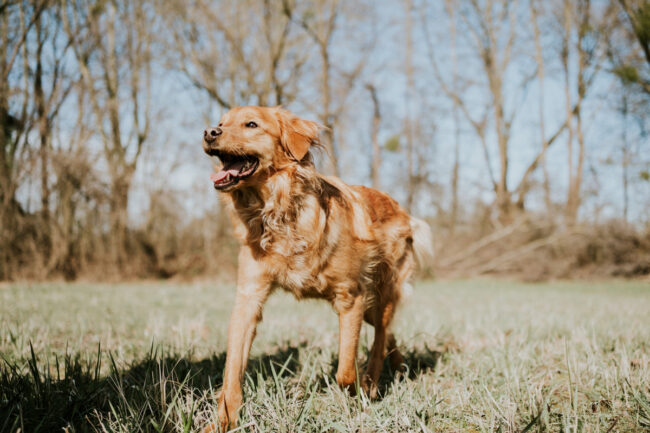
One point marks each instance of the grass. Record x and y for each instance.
(482, 356)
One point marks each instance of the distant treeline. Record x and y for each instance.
(517, 128)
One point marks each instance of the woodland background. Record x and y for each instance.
(517, 129)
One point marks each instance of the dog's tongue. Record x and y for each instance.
(218, 177)
(233, 169)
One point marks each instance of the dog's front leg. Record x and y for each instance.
(350, 319)
(252, 290)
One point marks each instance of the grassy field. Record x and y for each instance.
(482, 356)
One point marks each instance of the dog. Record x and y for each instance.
(311, 235)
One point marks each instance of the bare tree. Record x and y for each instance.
(493, 31)
(409, 72)
(320, 21)
(450, 6)
(628, 50)
(32, 91)
(17, 20)
(625, 156)
(587, 41)
(113, 47)
(321, 31)
(535, 6)
(52, 84)
(14, 120)
(215, 49)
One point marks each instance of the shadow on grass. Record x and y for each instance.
(72, 394)
(416, 363)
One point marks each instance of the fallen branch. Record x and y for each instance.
(520, 252)
(481, 243)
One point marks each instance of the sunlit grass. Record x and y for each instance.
(482, 356)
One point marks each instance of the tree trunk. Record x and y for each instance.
(575, 180)
(455, 172)
(327, 137)
(625, 156)
(539, 58)
(44, 135)
(502, 130)
(565, 55)
(119, 216)
(375, 164)
(410, 88)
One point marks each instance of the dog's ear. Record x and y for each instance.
(296, 134)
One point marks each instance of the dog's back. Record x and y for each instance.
(401, 240)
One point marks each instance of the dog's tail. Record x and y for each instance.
(422, 242)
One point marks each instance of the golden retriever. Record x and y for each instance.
(311, 235)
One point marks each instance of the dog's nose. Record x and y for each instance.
(211, 134)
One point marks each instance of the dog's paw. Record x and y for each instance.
(222, 426)
(228, 405)
(210, 428)
(369, 387)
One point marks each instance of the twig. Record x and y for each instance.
(613, 424)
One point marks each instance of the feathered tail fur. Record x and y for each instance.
(422, 242)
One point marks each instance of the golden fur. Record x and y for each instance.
(315, 237)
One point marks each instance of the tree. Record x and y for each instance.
(214, 48)
(375, 164)
(34, 85)
(582, 34)
(320, 20)
(52, 84)
(493, 37)
(535, 12)
(493, 31)
(112, 42)
(17, 20)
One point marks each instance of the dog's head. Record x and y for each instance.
(253, 142)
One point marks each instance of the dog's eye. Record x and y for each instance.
(251, 125)
(220, 124)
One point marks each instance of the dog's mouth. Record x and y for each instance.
(235, 169)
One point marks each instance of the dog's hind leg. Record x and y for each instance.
(394, 355)
(382, 318)
(404, 287)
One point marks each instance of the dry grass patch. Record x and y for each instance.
(482, 356)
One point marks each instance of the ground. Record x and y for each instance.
(482, 356)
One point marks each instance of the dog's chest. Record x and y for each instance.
(297, 249)
(301, 278)
(296, 265)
